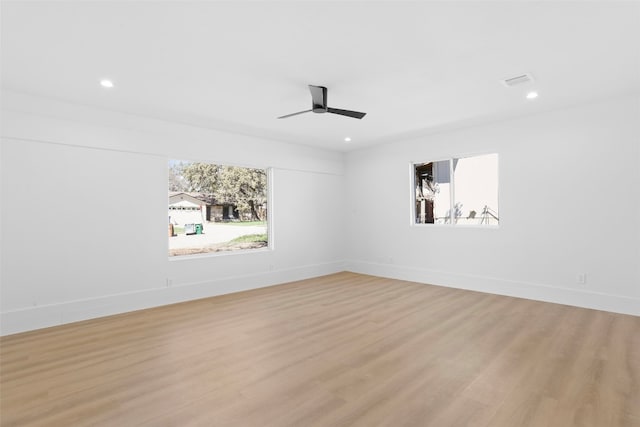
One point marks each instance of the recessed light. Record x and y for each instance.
(106, 83)
(347, 139)
(532, 95)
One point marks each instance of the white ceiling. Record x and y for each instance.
(414, 67)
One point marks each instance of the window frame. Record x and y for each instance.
(452, 191)
(269, 219)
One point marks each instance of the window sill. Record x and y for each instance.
(219, 254)
(473, 226)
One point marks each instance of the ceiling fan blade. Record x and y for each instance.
(348, 113)
(295, 114)
(318, 96)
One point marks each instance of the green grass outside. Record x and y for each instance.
(248, 238)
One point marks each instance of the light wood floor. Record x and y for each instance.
(340, 350)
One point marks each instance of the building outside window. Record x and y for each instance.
(214, 208)
(458, 191)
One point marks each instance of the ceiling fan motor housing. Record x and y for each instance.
(319, 104)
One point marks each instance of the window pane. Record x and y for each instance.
(433, 192)
(476, 190)
(216, 208)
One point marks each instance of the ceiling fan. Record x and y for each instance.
(319, 105)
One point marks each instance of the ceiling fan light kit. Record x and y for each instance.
(319, 105)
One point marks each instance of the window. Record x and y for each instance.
(216, 208)
(457, 191)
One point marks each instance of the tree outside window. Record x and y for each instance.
(216, 208)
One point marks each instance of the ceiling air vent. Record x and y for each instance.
(518, 80)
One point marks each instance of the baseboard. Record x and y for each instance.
(43, 316)
(519, 289)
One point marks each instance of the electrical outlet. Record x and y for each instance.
(581, 278)
(169, 282)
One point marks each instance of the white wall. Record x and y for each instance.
(69, 253)
(569, 204)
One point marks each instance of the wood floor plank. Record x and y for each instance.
(338, 350)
